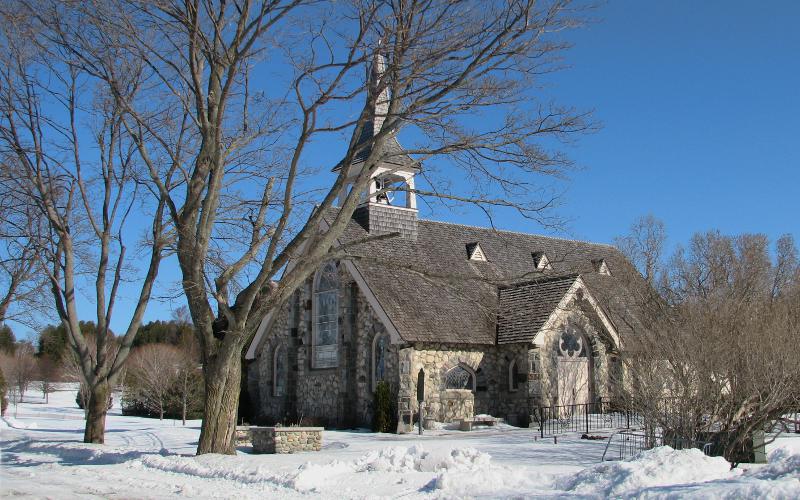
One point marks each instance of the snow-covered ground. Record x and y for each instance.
(42, 457)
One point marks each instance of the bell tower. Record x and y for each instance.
(389, 204)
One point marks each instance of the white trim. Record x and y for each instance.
(257, 339)
(544, 263)
(477, 253)
(561, 308)
(601, 267)
(393, 207)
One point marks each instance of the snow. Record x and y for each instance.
(42, 457)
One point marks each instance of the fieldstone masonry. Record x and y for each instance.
(340, 396)
(343, 396)
(286, 439)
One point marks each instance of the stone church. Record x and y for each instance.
(499, 322)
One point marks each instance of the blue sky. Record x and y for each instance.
(699, 104)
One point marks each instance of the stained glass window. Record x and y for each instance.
(458, 378)
(279, 372)
(570, 343)
(326, 332)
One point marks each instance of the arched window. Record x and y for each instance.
(380, 346)
(279, 371)
(326, 317)
(459, 377)
(513, 376)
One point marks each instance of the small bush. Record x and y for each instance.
(385, 414)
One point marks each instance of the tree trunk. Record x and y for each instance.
(184, 397)
(223, 375)
(96, 411)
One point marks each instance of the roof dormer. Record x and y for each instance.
(601, 267)
(541, 262)
(475, 252)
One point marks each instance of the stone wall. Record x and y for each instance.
(243, 436)
(340, 396)
(493, 394)
(286, 439)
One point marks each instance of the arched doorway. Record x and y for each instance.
(574, 367)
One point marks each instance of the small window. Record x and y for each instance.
(459, 378)
(475, 252)
(380, 347)
(279, 371)
(513, 376)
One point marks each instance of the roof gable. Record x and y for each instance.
(525, 308)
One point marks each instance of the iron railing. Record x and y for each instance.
(585, 417)
(625, 444)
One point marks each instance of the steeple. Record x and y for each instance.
(382, 103)
(389, 204)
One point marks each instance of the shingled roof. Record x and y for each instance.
(432, 292)
(525, 308)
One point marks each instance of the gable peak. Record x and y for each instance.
(541, 262)
(475, 252)
(601, 267)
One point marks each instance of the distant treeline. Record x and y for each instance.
(53, 338)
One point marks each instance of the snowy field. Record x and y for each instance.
(42, 457)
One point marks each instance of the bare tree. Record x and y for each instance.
(85, 195)
(153, 372)
(644, 246)
(21, 279)
(49, 371)
(715, 359)
(19, 370)
(457, 74)
(189, 388)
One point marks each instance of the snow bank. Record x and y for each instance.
(16, 424)
(207, 467)
(657, 467)
(395, 460)
(467, 472)
(779, 479)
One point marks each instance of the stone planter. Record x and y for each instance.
(286, 439)
(242, 435)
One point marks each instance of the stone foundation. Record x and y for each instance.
(286, 439)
